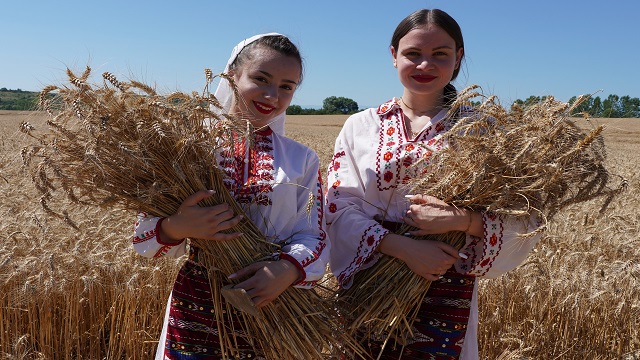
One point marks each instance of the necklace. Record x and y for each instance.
(408, 124)
(418, 112)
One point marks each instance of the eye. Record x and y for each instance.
(440, 53)
(287, 87)
(261, 78)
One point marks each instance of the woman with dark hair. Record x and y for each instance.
(272, 177)
(377, 151)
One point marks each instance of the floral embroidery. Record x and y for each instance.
(494, 232)
(256, 185)
(333, 208)
(397, 154)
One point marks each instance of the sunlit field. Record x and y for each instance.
(73, 288)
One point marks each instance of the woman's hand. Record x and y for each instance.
(433, 216)
(427, 258)
(267, 280)
(194, 221)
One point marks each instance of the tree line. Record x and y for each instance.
(18, 99)
(613, 106)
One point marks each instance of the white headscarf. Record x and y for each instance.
(224, 93)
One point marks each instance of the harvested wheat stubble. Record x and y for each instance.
(522, 163)
(123, 145)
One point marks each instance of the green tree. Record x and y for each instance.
(596, 109)
(630, 106)
(339, 105)
(294, 110)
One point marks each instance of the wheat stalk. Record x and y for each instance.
(123, 145)
(522, 162)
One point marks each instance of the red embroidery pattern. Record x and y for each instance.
(493, 235)
(396, 153)
(320, 207)
(334, 166)
(369, 241)
(256, 185)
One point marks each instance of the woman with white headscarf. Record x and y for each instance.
(272, 177)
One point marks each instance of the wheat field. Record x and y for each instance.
(74, 288)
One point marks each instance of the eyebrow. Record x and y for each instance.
(432, 49)
(271, 77)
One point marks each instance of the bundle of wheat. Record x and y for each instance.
(123, 145)
(522, 163)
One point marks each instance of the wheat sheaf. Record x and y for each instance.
(520, 162)
(121, 144)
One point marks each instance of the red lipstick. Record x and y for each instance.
(263, 108)
(423, 78)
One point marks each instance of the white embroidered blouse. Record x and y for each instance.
(373, 154)
(274, 180)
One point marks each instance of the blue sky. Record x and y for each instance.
(514, 49)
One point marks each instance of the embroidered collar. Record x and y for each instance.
(389, 106)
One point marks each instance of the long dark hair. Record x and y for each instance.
(441, 19)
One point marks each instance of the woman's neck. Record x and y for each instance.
(415, 106)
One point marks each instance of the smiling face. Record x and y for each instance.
(266, 83)
(426, 58)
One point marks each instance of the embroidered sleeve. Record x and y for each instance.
(308, 248)
(503, 248)
(354, 234)
(147, 242)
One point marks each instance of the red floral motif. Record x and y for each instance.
(391, 143)
(359, 260)
(388, 176)
(391, 131)
(336, 184)
(439, 127)
(406, 179)
(485, 262)
(410, 147)
(335, 166)
(387, 156)
(493, 240)
(407, 161)
(370, 240)
(333, 208)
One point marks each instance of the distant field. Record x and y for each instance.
(83, 293)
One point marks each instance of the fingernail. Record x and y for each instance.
(408, 196)
(232, 276)
(440, 277)
(407, 234)
(211, 191)
(463, 255)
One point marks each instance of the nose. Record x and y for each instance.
(271, 92)
(425, 63)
